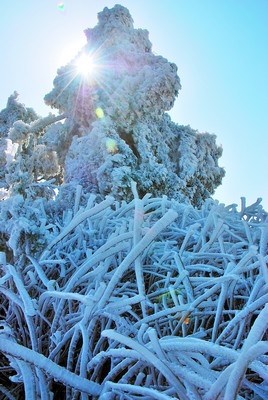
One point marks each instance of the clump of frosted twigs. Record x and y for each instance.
(152, 299)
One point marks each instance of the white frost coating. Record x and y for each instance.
(98, 257)
(137, 235)
(155, 344)
(240, 367)
(169, 217)
(242, 315)
(27, 301)
(81, 217)
(116, 128)
(258, 329)
(126, 302)
(67, 296)
(153, 394)
(24, 155)
(197, 345)
(84, 265)
(39, 271)
(86, 283)
(264, 267)
(150, 358)
(252, 348)
(42, 362)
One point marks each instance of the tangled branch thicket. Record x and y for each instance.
(149, 299)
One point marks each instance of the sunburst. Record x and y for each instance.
(86, 65)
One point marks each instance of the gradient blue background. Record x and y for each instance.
(220, 48)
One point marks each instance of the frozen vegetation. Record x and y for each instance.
(120, 277)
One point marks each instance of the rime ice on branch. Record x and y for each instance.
(13, 112)
(115, 94)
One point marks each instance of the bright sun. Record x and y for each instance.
(85, 65)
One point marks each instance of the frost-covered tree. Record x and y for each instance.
(115, 95)
(14, 111)
(25, 157)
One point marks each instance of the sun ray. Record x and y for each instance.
(66, 86)
(85, 65)
(91, 69)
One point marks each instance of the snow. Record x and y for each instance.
(120, 276)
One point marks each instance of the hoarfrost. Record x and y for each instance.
(119, 276)
(151, 287)
(125, 99)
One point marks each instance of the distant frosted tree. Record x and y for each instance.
(24, 156)
(13, 112)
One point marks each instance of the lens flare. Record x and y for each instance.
(85, 65)
(61, 5)
(167, 294)
(99, 112)
(111, 146)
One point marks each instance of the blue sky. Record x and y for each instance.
(219, 46)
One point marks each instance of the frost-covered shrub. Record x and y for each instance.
(150, 298)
